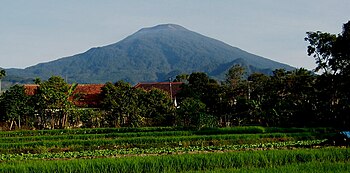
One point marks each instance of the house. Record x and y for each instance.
(30, 88)
(88, 94)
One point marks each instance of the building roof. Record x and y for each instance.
(169, 87)
(30, 89)
(89, 94)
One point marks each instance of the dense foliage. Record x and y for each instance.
(332, 55)
(2, 74)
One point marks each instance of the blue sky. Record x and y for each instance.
(35, 31)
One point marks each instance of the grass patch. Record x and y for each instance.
(271, 159)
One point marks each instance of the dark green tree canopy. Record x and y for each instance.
(121, 103)
(235, 75)
(182, 78)
(331, 52)
(53, 100)
(2, 73)
(14, 105)
(157, 107)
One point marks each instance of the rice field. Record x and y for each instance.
(169, 149)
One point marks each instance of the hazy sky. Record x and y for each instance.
(34, 31)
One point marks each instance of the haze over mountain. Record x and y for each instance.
(150, 54)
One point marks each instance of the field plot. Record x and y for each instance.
(168, 149)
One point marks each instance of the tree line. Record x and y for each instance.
(298, 98)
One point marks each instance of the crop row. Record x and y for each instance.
(93, 136)
(123, 135)
(84, 131)
(183, 162)
(313, 166)
(148, 142)
(207, 131)
(165, 150)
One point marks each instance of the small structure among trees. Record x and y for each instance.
(85, 95)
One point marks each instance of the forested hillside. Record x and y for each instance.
(151, 54)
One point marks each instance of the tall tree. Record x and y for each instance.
(182, 78)
(238, 96)
(157, 108)
(320, 48)
(197, 86)
(15, 106)
(204, 89)
(53, 100)
(2, 74)
(235, 75)
(190, 113)
(258, 86)
(121, 102)
(332, 54)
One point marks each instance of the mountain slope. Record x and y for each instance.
(151, 54)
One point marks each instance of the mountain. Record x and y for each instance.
(151, 54)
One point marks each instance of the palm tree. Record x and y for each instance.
(2, 74)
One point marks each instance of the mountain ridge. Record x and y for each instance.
(150, 54)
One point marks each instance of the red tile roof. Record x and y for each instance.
(175, 87)
(88, 93)
(30, 89)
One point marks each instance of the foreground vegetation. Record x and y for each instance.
(167, 149)
(250, 160)
(303, 167)
(155, 139)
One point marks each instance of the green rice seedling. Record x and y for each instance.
(309, 167)
(85, 131)
(232, 130)
(92, 136)
(165, 150)
(185, 162)
(206, 131)
(152, 141)
(299, 130)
